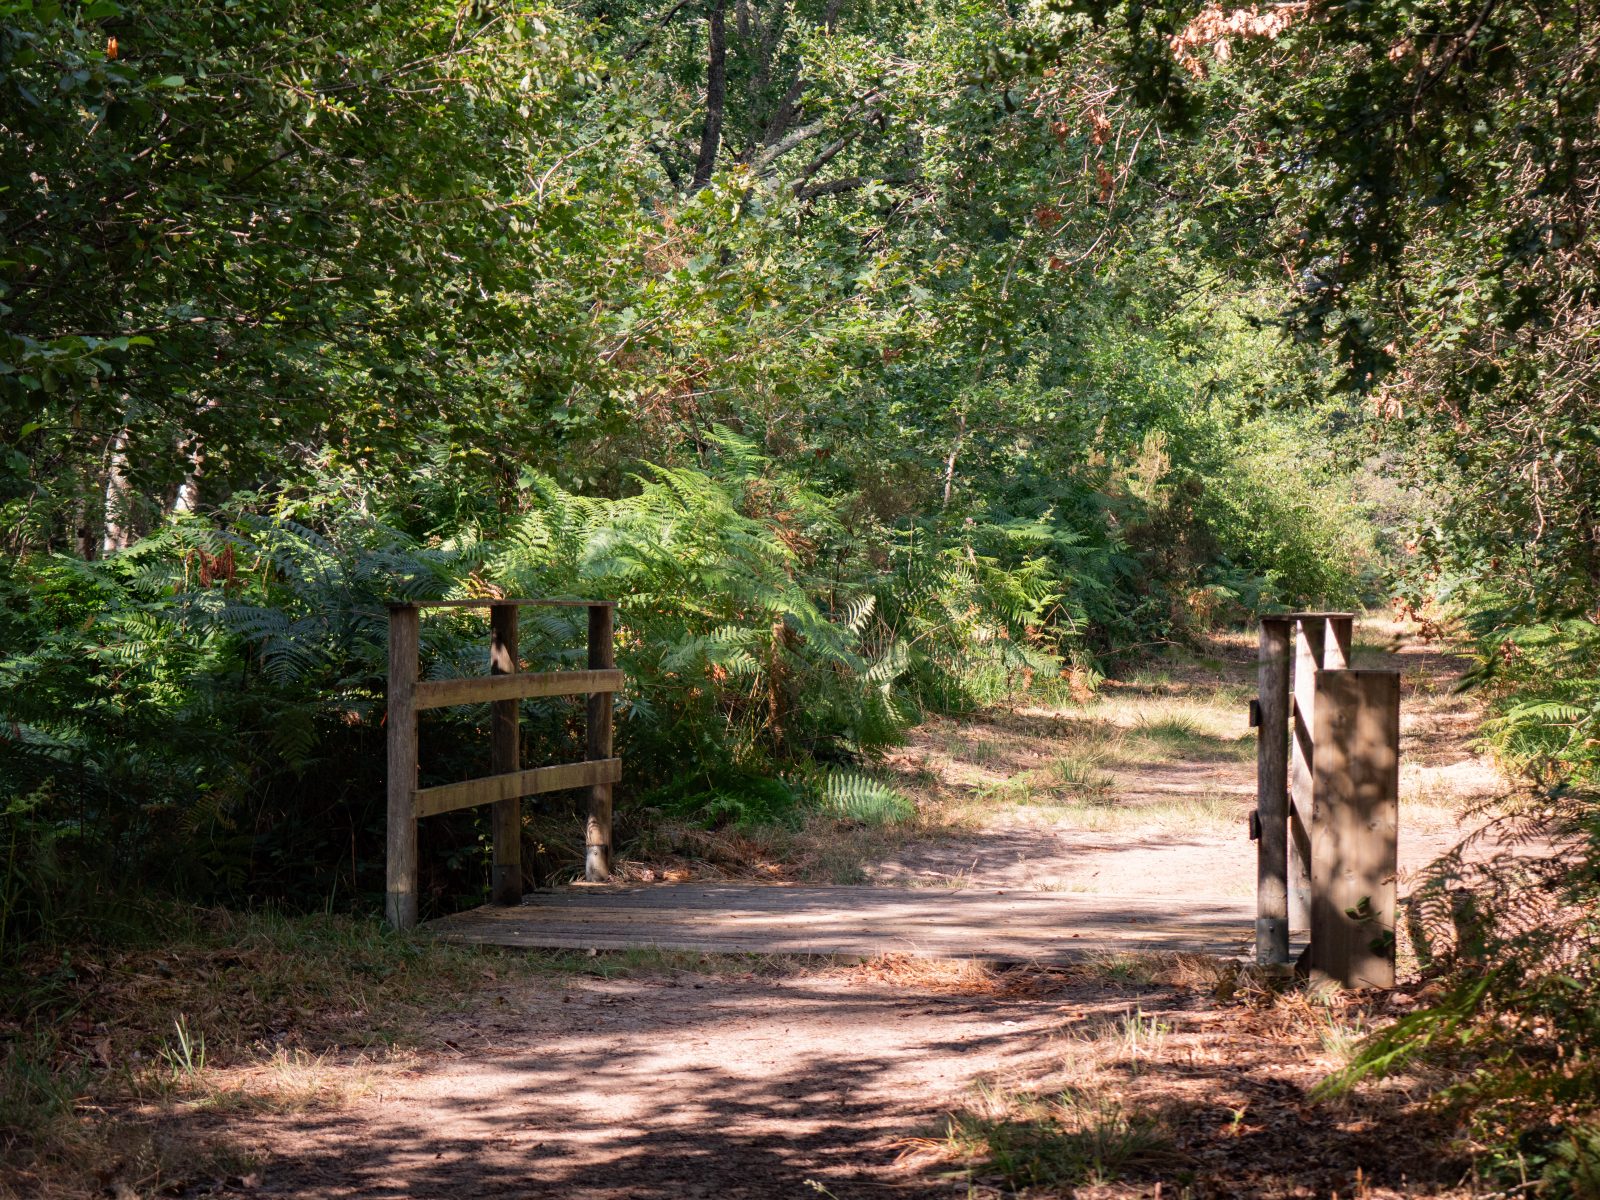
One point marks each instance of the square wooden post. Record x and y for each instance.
(1354, 836)
(400, 896)
(1272, 793)
(597, 832)
(1336, 641)
(505, 756)
(1309, 639)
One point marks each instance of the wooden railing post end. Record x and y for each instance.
(400, 896)
(597, 830)
(505, 755)
(1272, 792)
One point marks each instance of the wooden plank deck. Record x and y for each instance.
(858, 922)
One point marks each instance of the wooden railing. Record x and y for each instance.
(502, 688)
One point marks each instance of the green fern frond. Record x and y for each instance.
(853, 796)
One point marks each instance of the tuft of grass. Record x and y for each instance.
(1060, 1141)
(185, 1055)
(1174, 732)
(1142, 1035)
(1079, 775)
(1174, 728)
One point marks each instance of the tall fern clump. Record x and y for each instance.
(980, 610)
(200, 713)
(750, 639)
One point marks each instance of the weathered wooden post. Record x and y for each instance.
(1336, 641)
(505, 757)
(597, 832)
(400, 898)
(1309, 636)
(1354, 833)
(1272, 793)
(1322, 642)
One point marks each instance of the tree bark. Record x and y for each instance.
(118, 532)
(955, 452)
(716, 94)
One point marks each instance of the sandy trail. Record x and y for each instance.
(808, 1080)
(668, 1086)
(1039, 847)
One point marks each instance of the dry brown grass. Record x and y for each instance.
(229, 1012)
(944, 976)
(1196, 1074)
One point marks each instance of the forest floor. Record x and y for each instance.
(341, 1064)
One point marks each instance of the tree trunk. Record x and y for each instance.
(117, 526)
(716, 94)
(950, 463)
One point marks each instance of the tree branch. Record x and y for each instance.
(638, 47)
(805, 133)
(788, 106)
(849, 183)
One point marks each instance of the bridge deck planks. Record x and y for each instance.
(858, 922)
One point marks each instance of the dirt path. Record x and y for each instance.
(1149, 787)
(847, 1082)
(719, 1078)
(664, 1085)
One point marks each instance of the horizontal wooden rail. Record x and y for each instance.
(512, 785)
(493, 603)
(440, 693)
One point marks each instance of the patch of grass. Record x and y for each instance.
(1079, 775)
(1183, 734)
(1341, 1039)
(1173, 729)
(1058, 1141)
(1183, 814)
(1142, 1035)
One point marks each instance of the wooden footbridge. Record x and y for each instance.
(855, 922)
(1328, 773)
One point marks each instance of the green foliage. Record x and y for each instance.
(236, 671)
(852, 796)
(1547, 679)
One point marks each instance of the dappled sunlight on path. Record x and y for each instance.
(1147, 788)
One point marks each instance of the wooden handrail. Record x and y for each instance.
(441, 693)
(490, 789)
(504, 788)
(493, 603)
